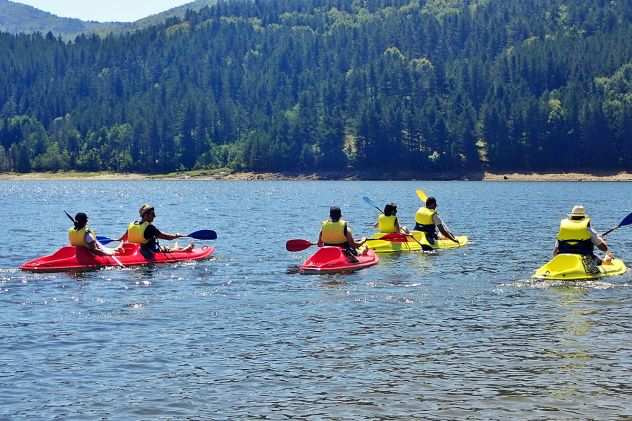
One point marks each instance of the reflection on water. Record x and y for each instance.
(456, 334)
(572, 352)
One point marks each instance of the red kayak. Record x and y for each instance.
(330, 259)
(71, 258)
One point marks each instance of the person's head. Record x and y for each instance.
(335, 213)
(390, 209)
(431, 203)
(147, 212)
(81, 220)
(577, 213)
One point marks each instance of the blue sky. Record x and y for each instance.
(104, 10)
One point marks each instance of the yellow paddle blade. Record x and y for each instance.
(422, 195)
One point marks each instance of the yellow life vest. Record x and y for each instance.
(77, 238)
(386, 224)
(333, 233)
(136, 232)
(574, 230)
(424, 216)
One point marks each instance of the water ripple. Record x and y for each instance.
(460, 334)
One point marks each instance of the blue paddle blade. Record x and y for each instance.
(203, 235)
(104, 240)
(626, 221)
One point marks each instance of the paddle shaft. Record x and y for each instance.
(198, 235)
(625, 221)
(118, 262)
(372, 204)
(70, 217)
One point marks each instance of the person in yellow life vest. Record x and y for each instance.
(387, 223)
(81, 236)
(143, 232)
(428, 221)
(336, 232)
(576, 236)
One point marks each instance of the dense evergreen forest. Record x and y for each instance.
(425, 86)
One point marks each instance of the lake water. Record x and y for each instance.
(460, 334)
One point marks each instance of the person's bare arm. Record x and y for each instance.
(351, 241)
(443, 230)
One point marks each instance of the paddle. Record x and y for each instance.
(298, 245)
(422, 195)
(116, 260)
(198, 235)
(70, 217)
(370, 202)
(104, 240)
(626, 221)
(203, 235)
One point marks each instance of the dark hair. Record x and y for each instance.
(390, 209)
(81, 219)
(335, 213)
(431, 202)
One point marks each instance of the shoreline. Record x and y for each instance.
(570, 176)
(229, 175)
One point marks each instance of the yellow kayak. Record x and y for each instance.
(575, 267)
(415, 241)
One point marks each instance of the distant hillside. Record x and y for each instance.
(19, 18)
(176, 12)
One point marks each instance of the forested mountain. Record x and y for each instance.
(176, 12)
(20, 18)
(427, 86)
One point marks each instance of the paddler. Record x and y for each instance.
(80, 235)
(576, 236)
(387, 222)
(428, 221)
(143, 232)
(336, 232)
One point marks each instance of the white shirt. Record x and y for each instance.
(89, 238)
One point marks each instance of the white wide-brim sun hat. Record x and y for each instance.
(578, 211)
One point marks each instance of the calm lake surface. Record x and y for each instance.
(460, 334)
